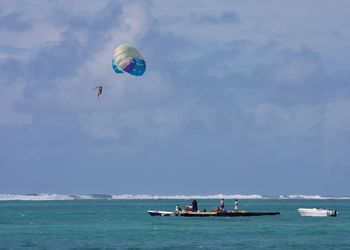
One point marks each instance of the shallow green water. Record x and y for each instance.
(125, 224)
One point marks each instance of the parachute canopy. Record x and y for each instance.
(127, 59)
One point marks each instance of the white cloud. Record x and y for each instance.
(147, 105)
(277, 120)
(161, 120)
(287, 23)
(337, 117)
(150, 104)
(328, 121)
(295, 71)
(41, 31)
(10, 95)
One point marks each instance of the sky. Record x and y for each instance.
(239, 97)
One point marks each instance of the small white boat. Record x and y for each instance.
(161, 213)
(317, 212)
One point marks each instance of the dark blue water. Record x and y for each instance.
(125, 224)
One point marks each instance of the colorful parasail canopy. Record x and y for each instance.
(127, 59)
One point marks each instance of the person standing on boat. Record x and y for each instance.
(236, 205)
(222, 204)
(194, 206)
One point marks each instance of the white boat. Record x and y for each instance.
(161, 213)
(317, 212)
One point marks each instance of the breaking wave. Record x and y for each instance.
(185, 197)
(58, 197)
(313, 197)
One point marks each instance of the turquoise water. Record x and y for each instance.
(125, 224)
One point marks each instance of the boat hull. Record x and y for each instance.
(317, 212)
(227, 214)
(161, 213)
(210, 214)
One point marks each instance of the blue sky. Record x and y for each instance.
(238, 97)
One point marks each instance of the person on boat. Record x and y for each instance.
(188, 208)
(194, 206)
(217, 209)
(222, 204)
(178, 209)
(236, 205)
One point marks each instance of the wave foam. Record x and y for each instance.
(312, 197)
(184, 197)
(34, 197)
(61, 197)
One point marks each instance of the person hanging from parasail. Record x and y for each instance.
(99, 90)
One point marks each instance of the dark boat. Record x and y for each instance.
(210, 214)
(227, 214)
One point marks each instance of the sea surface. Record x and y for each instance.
(105, 223)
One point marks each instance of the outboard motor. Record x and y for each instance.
(332, 213)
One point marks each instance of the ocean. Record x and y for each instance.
(122, 222)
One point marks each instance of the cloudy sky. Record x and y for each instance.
(238, 97)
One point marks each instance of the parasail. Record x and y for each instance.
(127, 59)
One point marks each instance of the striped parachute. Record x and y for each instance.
(127, 59)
